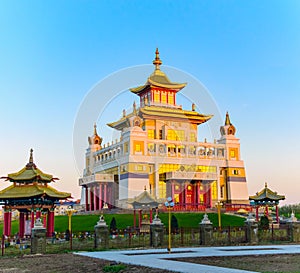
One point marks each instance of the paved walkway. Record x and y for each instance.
(156, 258)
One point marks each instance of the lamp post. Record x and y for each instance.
(69, 212)
(219, 205)
(169, 204)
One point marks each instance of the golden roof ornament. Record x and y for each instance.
(227, 120)
(157, 61)
(95, 129)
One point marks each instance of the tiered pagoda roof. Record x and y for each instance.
(158, 79)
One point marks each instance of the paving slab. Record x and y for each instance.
(158, 258)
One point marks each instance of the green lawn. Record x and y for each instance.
(87, 222)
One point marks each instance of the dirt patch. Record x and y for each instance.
(285, 263)
(63, 263)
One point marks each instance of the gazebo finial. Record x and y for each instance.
(157, 62)
(31, 156)
(266, 184)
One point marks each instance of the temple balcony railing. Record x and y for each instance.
(190, 175)
(96, 178)
(181, 149)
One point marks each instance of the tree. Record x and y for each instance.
(174, 224)
(264, 222)
(113, 225)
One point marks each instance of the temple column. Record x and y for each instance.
(105, 194)
(197, 194)
(91, 199)
(96, 204)
(185, 194)
(173, 189)
(21, 224)
(100, 197)
(87, 207)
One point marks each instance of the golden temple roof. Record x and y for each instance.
(30, 173)
(157, 111)
(158, 79)
(195, 117)
(32, 190)
(266, 195)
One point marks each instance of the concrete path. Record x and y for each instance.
(156, 258)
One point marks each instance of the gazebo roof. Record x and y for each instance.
(266, 195)
(34, 190)
(144, 199)
(30, 173)
(30, 182)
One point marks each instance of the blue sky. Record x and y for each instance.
(246, 53)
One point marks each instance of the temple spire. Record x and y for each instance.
(227, 120)
(157, 62)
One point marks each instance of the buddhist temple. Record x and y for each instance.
(32, 196)
(159, 149)
(266, 198)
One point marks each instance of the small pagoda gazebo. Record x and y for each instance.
(32, 196)
(143, 201)
(266, 198)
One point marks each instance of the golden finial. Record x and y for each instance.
(266, 184)
(145, 188)
(95, 129)
(157, 62)
(227, 120)
(31, 156)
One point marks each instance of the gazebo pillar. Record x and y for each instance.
(267, 211)
(32, 218)
(140, 218)
(38, 213)
(50, 222)
(277, 215)
(6, 227)
(256, 212)
(21, 224)
(134, 218)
